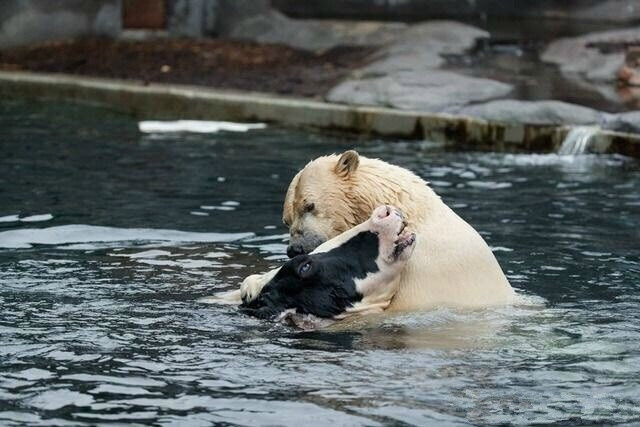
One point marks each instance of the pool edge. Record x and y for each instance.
(170, 101)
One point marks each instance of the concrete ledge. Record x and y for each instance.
(163, 101)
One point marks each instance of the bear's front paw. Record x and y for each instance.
(251, 287)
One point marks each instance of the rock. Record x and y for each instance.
(230, 13)
(587, 56)
(442, 37)
(629, 76)
(621, 11)
(421, 46)
(533, 112)
(431, 90)
(404, 74)
(274, 27)
(624, 122)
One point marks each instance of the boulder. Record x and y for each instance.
(594, 55)
(624, 122)
(424, 90)
(405, 73)
(274, 27)
(421, 46)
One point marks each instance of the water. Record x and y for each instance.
(108, 238)
(577, 140)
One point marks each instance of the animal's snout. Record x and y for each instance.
(294, 250)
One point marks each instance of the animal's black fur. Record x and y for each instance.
(327, 288)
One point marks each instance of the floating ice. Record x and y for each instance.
(197, 126)
(78, 233)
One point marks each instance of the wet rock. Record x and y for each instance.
(624, 122)
(534, 112)
(431, 90)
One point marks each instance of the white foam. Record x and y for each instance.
(9, 218)
(153, 253)
(78, 233)
(37, 218)
(197, 126)
(32, 218)
(578, 140)
(183, 263)
(501, 249)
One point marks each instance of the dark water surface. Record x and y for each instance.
(108, 238)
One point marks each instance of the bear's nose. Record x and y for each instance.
(294, 250)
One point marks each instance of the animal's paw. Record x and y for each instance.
(251, 286)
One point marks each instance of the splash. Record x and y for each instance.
(578, 140)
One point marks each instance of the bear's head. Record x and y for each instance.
(335, 193)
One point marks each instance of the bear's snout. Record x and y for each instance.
(294, 250)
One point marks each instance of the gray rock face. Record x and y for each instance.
(431, 90)
(533, 112)
(619, 11)
(622, 11)
(580, 55)
(448, 37)
(404, 74)
(25, 22)
(421, 46)
(274, 27)
(191, 18)
(625, 122)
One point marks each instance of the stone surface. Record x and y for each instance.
(274, 27)
(191, 18)
(405, 73)
(159, 101)
(533, 112)
(421, 46)
(585, 56)
(619, 11)
(624, 122)
(421, 90)
(25, 22)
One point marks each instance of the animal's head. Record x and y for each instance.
(363, 268)
(331, 195)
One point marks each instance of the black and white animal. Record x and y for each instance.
(354, 273)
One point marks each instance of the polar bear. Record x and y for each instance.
(451, 266)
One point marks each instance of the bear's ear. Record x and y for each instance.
(347, 163)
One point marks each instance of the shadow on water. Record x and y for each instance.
(108, 238)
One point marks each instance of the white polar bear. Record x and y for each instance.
(451, 266)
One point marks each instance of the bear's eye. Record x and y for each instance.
(305, 269)
(309, 207)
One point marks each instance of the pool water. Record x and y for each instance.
(108, 238)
